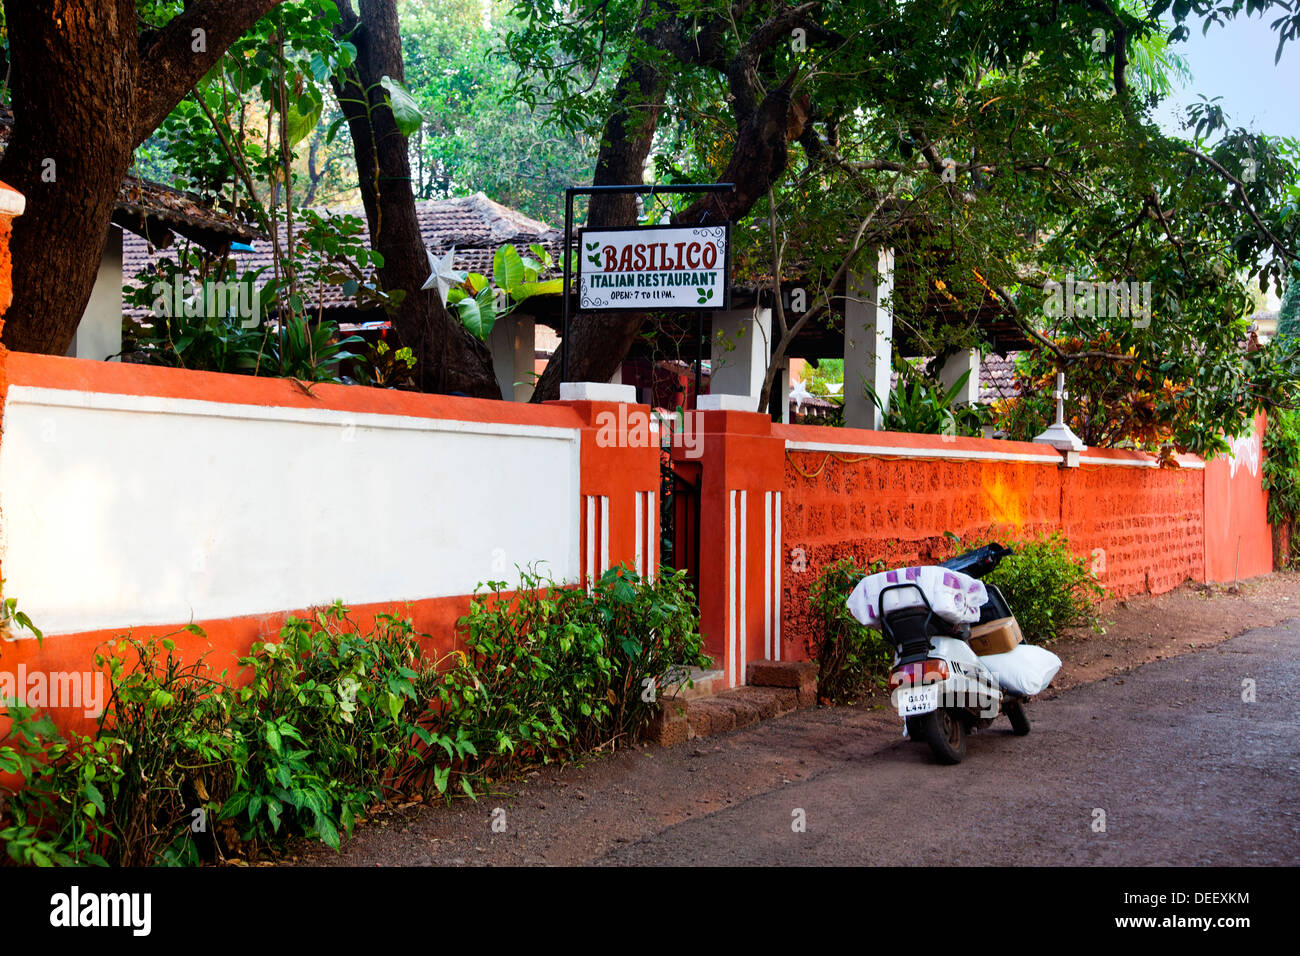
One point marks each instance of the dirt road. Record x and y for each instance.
(1184, 770)
(1169, 757)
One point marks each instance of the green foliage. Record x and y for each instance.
(516, 279)
(477, 134)
(166, 723)
(921, 405)
(1048, 588)
(305, 351)
(58, 817)
(383, 367)
(553, 671)
(333, 718)
(852, 659)
(325, 723)
(1288, 318)
(1281, 466)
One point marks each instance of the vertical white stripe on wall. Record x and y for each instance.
(744, 581)
(640, 534)
(779, 550)
(731, 593)
(604, 533)
(651, 534)
(590, 569)
(767, 575)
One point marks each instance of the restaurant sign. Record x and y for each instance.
(654, 267)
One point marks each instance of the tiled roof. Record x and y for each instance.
(998, 377)
(474, 226)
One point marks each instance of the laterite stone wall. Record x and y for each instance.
(1142, 527)
(1145, 527)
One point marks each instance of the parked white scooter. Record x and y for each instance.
(940, 686)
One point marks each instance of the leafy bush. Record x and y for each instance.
(327, 721)
(335, 719)
(553, 671)
(57, 818)
(167, 724)
(1281, 465)
(921, 405)
(851, 657)
(1048, 587)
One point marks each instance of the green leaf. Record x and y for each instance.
(300, 125)
(406, 112)
(478, 314)
(507, 268)
(528, 289)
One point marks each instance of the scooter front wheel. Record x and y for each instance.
(944, 732)
(1015, 711)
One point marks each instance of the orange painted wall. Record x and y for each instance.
(1143, 527)
(225, 641)
(1238, 541)
(1149, 522)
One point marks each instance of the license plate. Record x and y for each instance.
(918, 700)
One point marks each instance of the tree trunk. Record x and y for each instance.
(765, 123)
(598, 342)
(73, 78)
(85, 94)
(449, 358)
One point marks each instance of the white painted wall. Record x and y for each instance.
(123, 510)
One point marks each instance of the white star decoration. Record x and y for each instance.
(799, 393)
(442, 275)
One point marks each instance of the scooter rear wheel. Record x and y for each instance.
(944, 731)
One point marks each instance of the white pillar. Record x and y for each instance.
(868, 342)
(99, 333)
(781, 389)
(953, 369)
(512, 345)
(740, 370)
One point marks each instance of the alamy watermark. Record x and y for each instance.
(1085, 298)
(83, 690)
(184, 297)
(637, 428)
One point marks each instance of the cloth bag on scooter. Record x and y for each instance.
(953, 596)
(1025, 670)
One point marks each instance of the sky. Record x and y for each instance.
(1235, 61)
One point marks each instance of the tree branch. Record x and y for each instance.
(176, 60)
(1241, 191)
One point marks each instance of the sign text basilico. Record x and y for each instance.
(653, 268)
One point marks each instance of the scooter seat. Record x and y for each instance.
(909, 631)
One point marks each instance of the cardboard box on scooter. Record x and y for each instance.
(995, 637)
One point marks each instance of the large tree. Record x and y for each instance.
(450, 359)
(90, 81)
(1028, 119)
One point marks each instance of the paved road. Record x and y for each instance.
(1185, 771)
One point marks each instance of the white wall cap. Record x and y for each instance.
(596, 392)
(726, 403)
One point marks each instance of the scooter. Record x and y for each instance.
(942, 690)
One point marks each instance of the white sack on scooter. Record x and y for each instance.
(953, 596)
(1024, 671)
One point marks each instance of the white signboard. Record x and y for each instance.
(654, 267)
